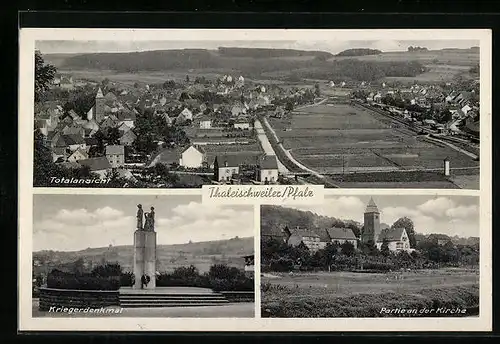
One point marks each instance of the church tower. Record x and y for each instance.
(99, 106)
(371, 228)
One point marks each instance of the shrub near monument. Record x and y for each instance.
(220, 277)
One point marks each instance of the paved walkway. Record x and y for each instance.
(268, 148)
(233, 310)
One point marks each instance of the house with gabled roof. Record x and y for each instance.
(268, 169)
(115, 155)
(77, 155)
(311, 239)
(109, 122)
(193, 157)
(126, 117)
(242, 123)
(238, 109)
(99, 165)
(71, 142)
(128, 137)
(396, 238)
(205, 122)
(185, 115)
(340, 236)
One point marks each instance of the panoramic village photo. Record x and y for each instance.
(141, 256)
(378, 256)
(182, 114)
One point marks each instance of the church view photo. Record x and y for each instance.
(141, 256)
(371, 256)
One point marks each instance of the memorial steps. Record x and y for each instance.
(170, 298)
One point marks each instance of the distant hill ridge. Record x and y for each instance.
(275, 218)
(359, 52)
(234, 245)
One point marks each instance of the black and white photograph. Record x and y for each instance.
(371, 256)
(141, 256)
(342, 113)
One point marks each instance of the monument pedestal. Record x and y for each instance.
(144, 258)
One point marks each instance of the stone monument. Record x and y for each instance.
(145, 250)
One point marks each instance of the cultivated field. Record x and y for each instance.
(340, 138)
(364, 294)
(453, 57)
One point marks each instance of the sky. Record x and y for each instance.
(76, 222)
(333, 46)
(451, 215)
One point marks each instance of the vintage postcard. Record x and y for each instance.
(236, 180)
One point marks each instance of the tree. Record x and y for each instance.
(78, 266)
(113, 136)
(44, 74)
(384, 249)
(187, 78)
(347, 249)
(407, 224)
(289, 106)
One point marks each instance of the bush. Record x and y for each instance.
(219, 278)
(127, 279)
(61, 280)
(107, 270)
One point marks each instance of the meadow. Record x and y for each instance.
(340, 138)
(348, 294)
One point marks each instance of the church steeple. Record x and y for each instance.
(371, 207)
(99, 93)
(371, 228)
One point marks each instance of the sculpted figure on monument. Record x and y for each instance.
(140, 213)
(152, 219)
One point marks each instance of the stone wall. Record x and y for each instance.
(50, 297)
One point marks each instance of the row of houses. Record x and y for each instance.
(225, 166)
(317, 238)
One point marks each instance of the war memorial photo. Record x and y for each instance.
(182, 114)
(379, 256)
(177, 259)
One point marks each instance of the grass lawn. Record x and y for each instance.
(340, 294)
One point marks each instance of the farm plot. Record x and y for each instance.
(345, 139)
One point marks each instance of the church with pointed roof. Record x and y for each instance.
(396, 238)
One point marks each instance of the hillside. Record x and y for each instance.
(270, 53)
(359, 52)
(274, 218)
(200, 254)
(452, 57)
(252, 63)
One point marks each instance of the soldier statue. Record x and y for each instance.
(152, 219)
(140, 213)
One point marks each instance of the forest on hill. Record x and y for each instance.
(359, 52)
(273, 218)
(270, 53)
(251, 63)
